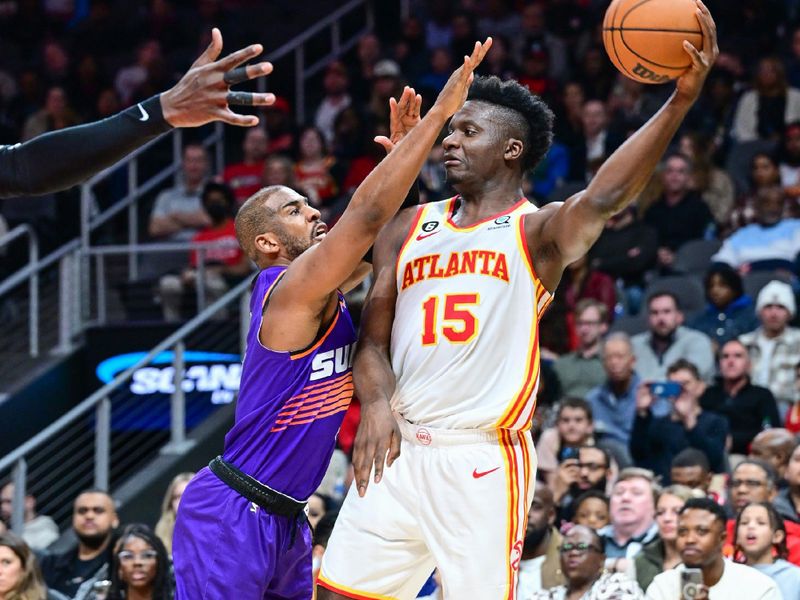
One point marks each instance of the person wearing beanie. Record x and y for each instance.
(774, 346)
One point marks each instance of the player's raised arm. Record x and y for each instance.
(60, 159)
(322, 269)
(576, 225)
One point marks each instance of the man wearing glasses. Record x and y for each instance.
(94, 519)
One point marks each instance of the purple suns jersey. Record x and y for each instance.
(291, 404)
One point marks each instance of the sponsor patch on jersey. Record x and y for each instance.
(429, 226)
(424, 436)
(501, 223)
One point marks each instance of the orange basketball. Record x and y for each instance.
(644, 38)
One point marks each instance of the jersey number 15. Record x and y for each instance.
(459, 325)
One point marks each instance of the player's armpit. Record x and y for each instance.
(359, 275)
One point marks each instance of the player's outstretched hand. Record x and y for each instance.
(378, 434)
(454, 93)
(203, 94)
(403, 117)
(690, 84)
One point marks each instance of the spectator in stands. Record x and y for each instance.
(39, 531)
(590, 469)
(789, 160)
(690, 468)
(169, 508)
(130, 78)
(764, 175)
(701, 534)
(280, 128)
(592, 509)
(534, 30)
(774, 346)
(712, 183)
(20, 577)
(729, 312)
(761, 540)
(335, 83)
(244, 178)
(668, 340)
(772, 242)
(320, 536)
(55, 114)
(386, 83)
(679, 214)
(754, 480)
(224, 263)
(774, 446)
(499, 61)
(626, 250)
(596, 144)
(317, 508)
(279, 170)
(763, 111)
(582, 562)
(787, 502)
(178, 213)
(74, 572)
(581, 283)
(747, 408)
(533, 73)
(313, 171)
(792, 422)
(614, 402)
(632, 514)
(655, 441)
(141, 566)
(573, 429)
(662, 553)
(539, 567)
(436, 72)
(581, 370)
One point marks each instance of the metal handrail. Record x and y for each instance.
(92, 401)
(33, 282)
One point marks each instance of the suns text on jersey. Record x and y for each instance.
(467, 262)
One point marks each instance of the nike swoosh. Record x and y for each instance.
(477, 475)
(144, 116)
(422, 236)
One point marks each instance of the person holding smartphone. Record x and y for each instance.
(705, 574)
(656, 440)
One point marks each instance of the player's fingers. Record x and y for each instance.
(394, 448)
(378, 460)
(362, 464)
(385, 142)
(417, 106)
(212, 52)
(234, 60)
(232, 118)
(694, 54)
(247, 72)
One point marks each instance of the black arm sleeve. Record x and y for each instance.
(58, 160)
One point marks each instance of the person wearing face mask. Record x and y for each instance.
(140, 569)
(224, 263)
(761, 544)
(539, 568)
(582, 559)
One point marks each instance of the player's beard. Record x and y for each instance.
(94, 540)
(295, 246)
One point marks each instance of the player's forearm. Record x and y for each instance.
(382, 193)
(60, 159)
(626, 172)
(373, 375)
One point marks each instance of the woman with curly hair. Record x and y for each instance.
(141, 568)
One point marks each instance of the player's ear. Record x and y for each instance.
(267, 244)
(514, 149)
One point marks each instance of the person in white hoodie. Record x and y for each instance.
(761, 539)
(701, 535)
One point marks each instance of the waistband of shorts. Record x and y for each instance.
(422, 435)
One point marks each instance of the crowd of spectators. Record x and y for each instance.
(669, 406)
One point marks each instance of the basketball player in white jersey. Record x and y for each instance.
(448, 361)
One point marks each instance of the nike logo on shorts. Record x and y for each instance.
(478, 475)
(144, 116)
(422, 236)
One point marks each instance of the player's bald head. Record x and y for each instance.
(257, 216)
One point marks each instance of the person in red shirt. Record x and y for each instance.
(312, 171)
(244, 178)
(224, 263)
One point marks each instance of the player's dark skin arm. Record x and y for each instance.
(561, 233)
(306, 296)
(58, 160)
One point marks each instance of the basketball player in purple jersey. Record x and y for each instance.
(241, 530)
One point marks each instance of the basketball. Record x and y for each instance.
(644, 38)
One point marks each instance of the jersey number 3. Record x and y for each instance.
(459, 324)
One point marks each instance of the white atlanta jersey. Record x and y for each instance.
(465, 340)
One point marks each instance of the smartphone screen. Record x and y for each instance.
(665, 389)
(690, 580)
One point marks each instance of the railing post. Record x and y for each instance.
(86, 271)
(133, 220)
(177, 151)
(102, 311)
(219, 148)
(102, 443)
(370, 17)
(33, 289)
(336, 37)
(200, 279)
(300, 83)
(19, 476)
(178, 444)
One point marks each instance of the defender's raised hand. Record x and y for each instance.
(454, 93)
(690, 84)
(403, 117)
(203, 94)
